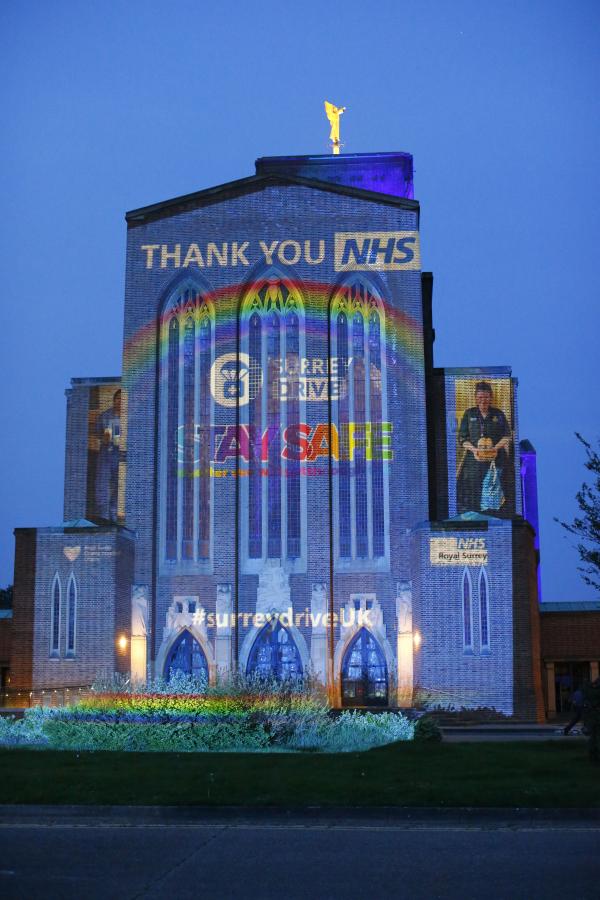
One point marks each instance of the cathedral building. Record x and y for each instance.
(281, 482)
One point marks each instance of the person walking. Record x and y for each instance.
(576, 710)
(591, 718)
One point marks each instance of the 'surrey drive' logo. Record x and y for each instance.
(235, 380)
(230, 379)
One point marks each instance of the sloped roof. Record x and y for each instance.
(570, 606)
(79, 523)
(250, 185)
(472, 516)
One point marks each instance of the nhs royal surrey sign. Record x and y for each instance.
(454, 551)
(379, 251)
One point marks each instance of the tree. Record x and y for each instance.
(6, 596)
(586, 526)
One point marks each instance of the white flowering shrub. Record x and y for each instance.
(179, 683)
(354, 731)
(230, 685)
(25, 732)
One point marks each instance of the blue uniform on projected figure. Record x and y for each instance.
(106, 487)
(485, 437)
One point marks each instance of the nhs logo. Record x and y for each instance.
(384, 251)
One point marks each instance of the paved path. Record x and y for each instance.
(138, 854)
(533, 732)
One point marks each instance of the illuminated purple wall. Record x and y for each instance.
(386, 173)
(530, 496)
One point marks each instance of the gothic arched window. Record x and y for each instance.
(467, 610)
(55, 607)
(484, 609)
(364, 672)
(187, 656)
(272, 337)
(187, 331)
(71, 614)
(359, 411)
(274, 654)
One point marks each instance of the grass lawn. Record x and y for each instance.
(404, 774)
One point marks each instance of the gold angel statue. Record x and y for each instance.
(333, 114)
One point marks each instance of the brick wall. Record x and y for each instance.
(79, 487)
(5, 640)
(502, 675)
(76, 445)
(303, 214)
(447, 672)
(570, 635)
(529, 703)
(101, 562)
(21, 661)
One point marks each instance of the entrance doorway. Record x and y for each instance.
(187, 656)
(568, 676)
(364, 672)
(274, 655)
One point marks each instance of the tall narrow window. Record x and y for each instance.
(172, 452)
(187, 329)
(293, 419)
(274, 439)
(357, 323)
(55, 606)
(377, 434)
(187, 429)
(484, 610)
(272, 318)
(71, 614)
(359, 447)
(204, 437)
(255, 439)
(467, 608)
(344, 484)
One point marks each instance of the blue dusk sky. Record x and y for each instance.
(110, 106)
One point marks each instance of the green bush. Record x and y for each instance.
(217, 720)
(183, 738)
(426, 729)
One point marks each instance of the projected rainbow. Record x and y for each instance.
(403, 334)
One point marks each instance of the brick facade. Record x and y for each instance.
(411, 598)
(570, 635)
(5, 638)
(526, 628)
(22, 659)
(100, 560)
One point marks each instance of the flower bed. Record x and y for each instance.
(232, 716)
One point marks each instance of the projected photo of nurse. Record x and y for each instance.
(108, 429)
(105, 439)
(485, 473)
